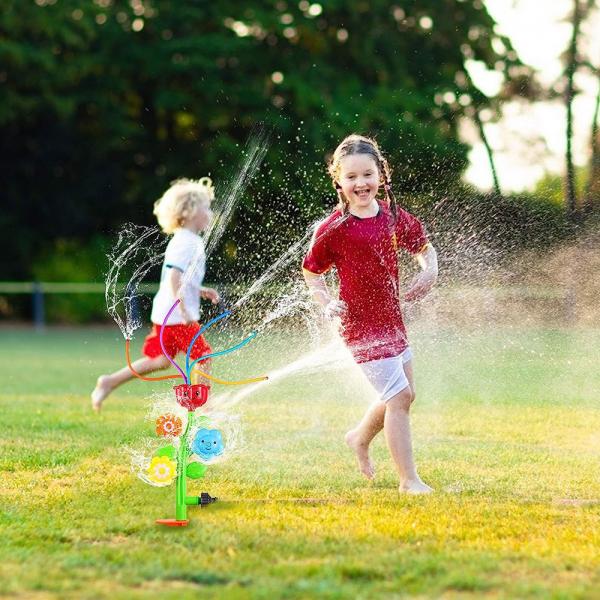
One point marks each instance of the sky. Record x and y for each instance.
(530, 139)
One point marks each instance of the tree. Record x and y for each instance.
(592, 191)
(574, 59)
(571, 65)
(106, 102)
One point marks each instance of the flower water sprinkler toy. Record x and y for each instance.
(193, 441)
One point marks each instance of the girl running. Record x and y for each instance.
(361, 239)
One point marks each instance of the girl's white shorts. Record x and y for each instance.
(387, 375)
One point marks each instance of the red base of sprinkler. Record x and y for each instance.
(172, 522)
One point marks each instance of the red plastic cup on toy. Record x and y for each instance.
(191, 396)
(200, 394)
(183, 394)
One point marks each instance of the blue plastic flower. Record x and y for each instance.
(208, 443)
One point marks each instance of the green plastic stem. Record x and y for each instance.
(180, 496)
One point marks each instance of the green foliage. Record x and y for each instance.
(71, 261)
(106, 102)
(551, 187)
(74, 261)
(509, 224)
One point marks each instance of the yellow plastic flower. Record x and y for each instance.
(162, 470)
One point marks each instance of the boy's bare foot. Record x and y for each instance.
(102, 389)
(415, 487)
(362, 453)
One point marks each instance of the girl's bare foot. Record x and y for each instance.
(361, 450)
(415, 487)
(102, 389)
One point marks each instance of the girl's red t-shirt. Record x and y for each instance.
(364, 252)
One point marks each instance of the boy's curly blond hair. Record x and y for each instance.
(180, 201)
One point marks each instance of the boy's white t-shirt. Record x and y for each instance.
(185, 252)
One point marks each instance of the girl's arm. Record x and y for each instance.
(425, 280)
(318, 287)
(175, 279)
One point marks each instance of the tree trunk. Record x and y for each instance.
(592, 190)
(489, 151)
(570, 192)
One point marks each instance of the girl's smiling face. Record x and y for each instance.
(359, 179)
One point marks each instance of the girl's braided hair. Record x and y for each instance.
(358, 144)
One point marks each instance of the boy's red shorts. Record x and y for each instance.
(176, 338)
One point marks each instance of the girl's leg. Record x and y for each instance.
(399, 440)
(362, 435)
(107, 383)
(370, 425)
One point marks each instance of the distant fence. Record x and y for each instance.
(465, 298)
(39, 289)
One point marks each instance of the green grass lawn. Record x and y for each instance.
(506, 428)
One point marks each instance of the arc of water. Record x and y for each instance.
(255, 151)
(286, 258)
(131, 242)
